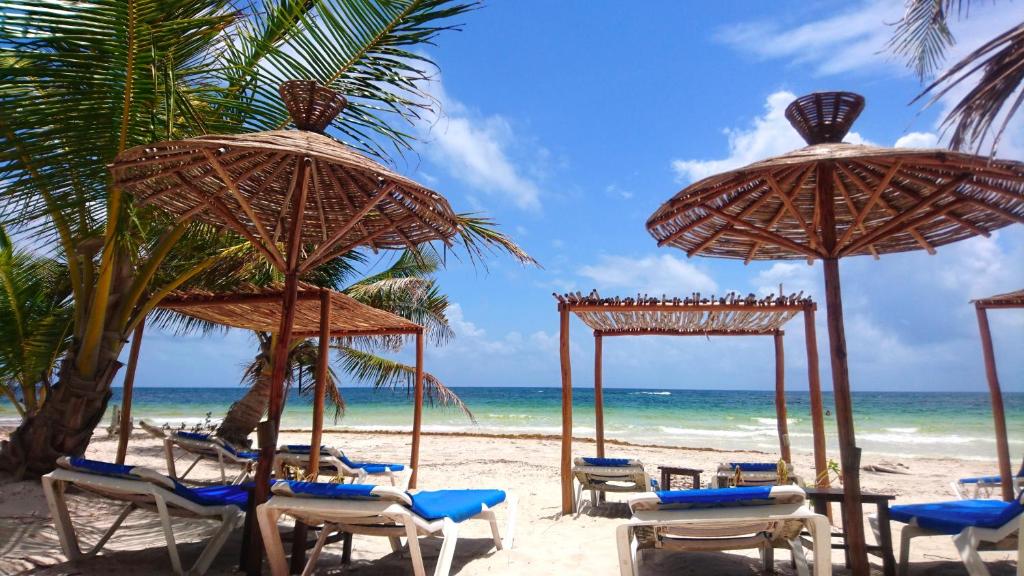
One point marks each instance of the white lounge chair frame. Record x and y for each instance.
(966, 541)
(331, 463)
(146, 494)
(725, 473)
(599, 479)
(211, 449)
(727, 528)
(981, 489)
(388, 516)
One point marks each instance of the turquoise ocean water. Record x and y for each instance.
(918, 423)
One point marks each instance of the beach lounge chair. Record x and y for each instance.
(719, 519)
(381, 511)
(731, 474)
(142, 488)
(985, 486)
(599, 475)
(208, 447)
(969, 522)
(333, 462)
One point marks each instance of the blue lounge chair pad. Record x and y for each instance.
(332, 491)
(613, 462)
(304, 449)
(717, 497)
(235, 494)
(754, 466)
(102, 468)
(953, 517)
(198, 436)
(984, 480)
(458, 505)
(372, 467)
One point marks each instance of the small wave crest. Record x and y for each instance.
(653, 393)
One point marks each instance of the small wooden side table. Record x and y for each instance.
(667, 472)
(820, 499)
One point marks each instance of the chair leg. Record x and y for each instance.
(267, 518)
(579, 500)
(220, 462)
(623, 541)
(191, 466)
(165, 522)
(493, 521)
(967, 544)
(768, 558)
(169, 457)
(314, 555)
(229, 521)
(451, 538)
(512, 509)
(821, 533)
(906, 535)
(799, 557)
(54, 490)
(413, 539)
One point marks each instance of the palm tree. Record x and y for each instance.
(86, 80)
(923, 36)
(403, 289)
(35, 331)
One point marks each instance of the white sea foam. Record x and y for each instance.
(714, 433)
(654, 393)
(902, 430)
(772, 421)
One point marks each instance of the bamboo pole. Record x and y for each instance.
(598, 396)
(417, 414)
(817, 410)
(125, 429)
(566, 467)
(780, 397)
(322, 368)
(998, 414)
(853, 516)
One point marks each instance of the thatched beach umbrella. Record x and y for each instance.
(830, 200)
(299, 196)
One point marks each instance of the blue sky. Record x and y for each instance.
(571, 122)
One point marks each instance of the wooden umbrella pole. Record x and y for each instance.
(998, 414)
(598, 396)
(417, 412)
(125, 429)
(322, 369)
(817, 410)
(780, 397)
(566, 464)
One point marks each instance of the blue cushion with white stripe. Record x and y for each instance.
(197, 436)
(985, 479)
(717, 497)
(952, 517)
(332, 491)
(754, 466)
(372, 467)
(102, 468)
(304, 449)
(610, 462)
(458, 505)
(247, 454)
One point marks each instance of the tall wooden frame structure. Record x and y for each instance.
(318, 313)
(981, 307)
(692, 316)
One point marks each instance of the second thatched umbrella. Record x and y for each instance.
(299, 196)
(830, 200)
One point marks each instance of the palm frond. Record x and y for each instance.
(389, 374)
(922, 36)
(480, 237)
(995, 98)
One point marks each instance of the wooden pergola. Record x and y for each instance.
(982, 306)
(318, 312)
(693, 316)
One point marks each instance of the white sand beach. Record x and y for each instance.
(545, 543)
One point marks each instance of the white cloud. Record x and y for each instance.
(917, 140)
(477, 150)
(793, 276)
(769, 135)
(654, 275)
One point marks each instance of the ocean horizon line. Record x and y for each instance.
(655, 388)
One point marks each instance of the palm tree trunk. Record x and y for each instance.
(245, 414)
(65, 423)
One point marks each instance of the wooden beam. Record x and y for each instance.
(872, 200)
(566, 459)
(853, 520)
(763, 235)
(125, 429)
(243, 202)
(817, 410)
(417, 414)
(215, 300)
(320, 387)
(343, 333)
(669, 307)
(598, 395)
(799, 184)
(780, 397)
(659, 332)
(998, 413)
(356, 218)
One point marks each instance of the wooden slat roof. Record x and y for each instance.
(1009, 300)
(694, 315)
(259, 308)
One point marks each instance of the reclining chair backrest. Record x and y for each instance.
(718, 498)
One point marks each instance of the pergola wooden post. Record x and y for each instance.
(417, 412)
(694, 316)
(1011, 300)
(125, 429)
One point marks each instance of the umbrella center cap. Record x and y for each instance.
(824, 117)
(311, 106)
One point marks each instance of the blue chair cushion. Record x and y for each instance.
(247, 454)
(716, 497)
(458, 505)
(332, 491)
(197, 436)
(985, 479)
(612, 462)
(303, 449)
(102, 468)
(953, 517)
(372, 467)
(754, 466)
(234, 495)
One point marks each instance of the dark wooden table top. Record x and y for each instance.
(836, 495)
(680, 469)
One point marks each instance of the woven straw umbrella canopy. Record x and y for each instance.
(299, 196)
(830, 200)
